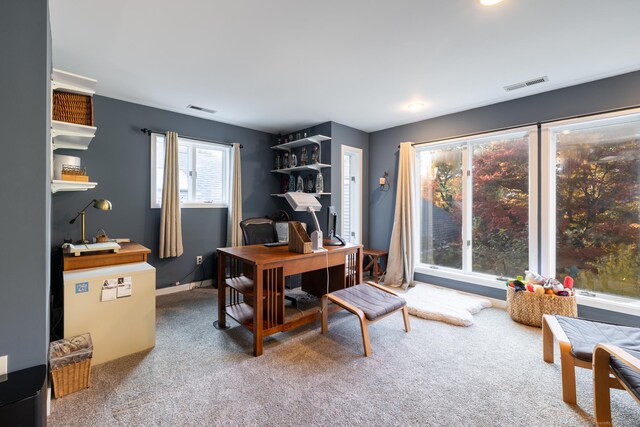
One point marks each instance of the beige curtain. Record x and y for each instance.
(170, 221)
(401, 248)
(234, 213)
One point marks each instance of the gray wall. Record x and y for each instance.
(615, 92)
(345, 135)
(601, 95)
(118, 159)
(24, 182)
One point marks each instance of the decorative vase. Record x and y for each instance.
(293, 160)
(304, 159)
(309, 185)
(315, 155)
(292, 183)
(300, 187)
(319, 183)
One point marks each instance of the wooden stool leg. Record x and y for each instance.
(365, 336)
(405, 315)
(601, 390)
(324, 316)
(568, 374)
(547, 342)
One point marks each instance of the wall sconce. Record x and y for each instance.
(384, 182)
(101, 204)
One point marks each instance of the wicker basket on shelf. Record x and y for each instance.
(73, 108)
(528, 307)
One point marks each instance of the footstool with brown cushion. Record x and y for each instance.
(370, 302)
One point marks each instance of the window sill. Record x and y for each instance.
(603, 302)
(198, 206)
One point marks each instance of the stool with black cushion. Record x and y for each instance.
(577, 339)
(613, 367)
(370, 302)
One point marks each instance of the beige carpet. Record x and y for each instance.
(444, 305)
(489, 374)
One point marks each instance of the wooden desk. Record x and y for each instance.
(129, 253)
(254, 276)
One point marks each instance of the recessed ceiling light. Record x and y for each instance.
(566, 132)
(489, 2)
(415, 106)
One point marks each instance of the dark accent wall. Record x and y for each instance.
(345, 135)
(597, 96)
(601, 95)
(24, 182)
(118, 159)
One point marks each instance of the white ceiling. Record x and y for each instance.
(279, 65)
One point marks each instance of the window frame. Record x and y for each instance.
(467, 274)
(193, 144)
(548, 183)
(353, 153)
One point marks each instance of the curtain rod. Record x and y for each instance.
(577, 116)
(150, 131)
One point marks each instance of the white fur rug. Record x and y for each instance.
(442, 304)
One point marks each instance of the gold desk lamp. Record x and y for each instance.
(102, 204)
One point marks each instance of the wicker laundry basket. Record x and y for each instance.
(70, 364)
(528, 307)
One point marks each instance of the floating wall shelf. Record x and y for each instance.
(316, 139)
(59, 185)
(71, 136)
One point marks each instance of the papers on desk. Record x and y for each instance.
(116, 288)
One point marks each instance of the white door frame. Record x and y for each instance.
(357, 153)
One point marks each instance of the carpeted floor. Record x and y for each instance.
(490, 373)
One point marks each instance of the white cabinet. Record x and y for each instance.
(70, 135)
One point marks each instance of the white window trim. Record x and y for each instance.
(548, 201)
(466, 274)
(356, 152)
(189, 205)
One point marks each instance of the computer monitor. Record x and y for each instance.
(332, 220)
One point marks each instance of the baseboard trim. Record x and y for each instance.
(184, 287)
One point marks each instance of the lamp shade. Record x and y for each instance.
(302, 201)
(102, 204)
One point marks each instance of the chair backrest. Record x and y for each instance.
(258, 230)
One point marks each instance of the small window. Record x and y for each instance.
(204, 173)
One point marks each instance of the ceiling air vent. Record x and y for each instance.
(204, 110)
(528, 83)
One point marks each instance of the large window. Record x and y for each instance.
(594, 201)
(203, 172)
(475, 208)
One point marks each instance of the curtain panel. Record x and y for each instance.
(170, 218)
(402, 246)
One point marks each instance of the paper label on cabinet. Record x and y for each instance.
(124, 286)
(82, 287)
(109, 290)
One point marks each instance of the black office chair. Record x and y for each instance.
(258, 231)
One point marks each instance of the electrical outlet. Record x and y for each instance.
(199, 259)
(4, 360)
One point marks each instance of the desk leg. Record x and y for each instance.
(222, 297)
(257, 311)
(359, 261)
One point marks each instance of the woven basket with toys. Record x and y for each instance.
(530, 298)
